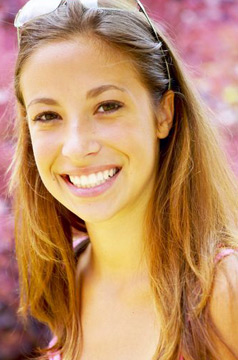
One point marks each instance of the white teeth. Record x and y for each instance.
(100, 177)
(106, 174)
(76, 180)
(92, 180)
(84, 180)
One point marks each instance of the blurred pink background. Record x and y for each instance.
(206, 34)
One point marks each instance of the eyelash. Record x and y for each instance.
(41, 115)
(115, 104)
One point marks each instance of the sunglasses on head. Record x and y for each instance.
(37, 8)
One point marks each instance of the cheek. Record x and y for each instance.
(44, 149)
(141, 140)
(133, 132)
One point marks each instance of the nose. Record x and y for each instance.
(80, 141)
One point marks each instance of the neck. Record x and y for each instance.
(117, 246)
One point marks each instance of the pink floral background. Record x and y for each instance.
(206, 34)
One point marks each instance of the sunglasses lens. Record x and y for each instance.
(90, 4)
(35, 8)
(110, 4)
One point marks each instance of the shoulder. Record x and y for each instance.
(223, 305)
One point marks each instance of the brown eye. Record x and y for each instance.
(109, 107)
(47, 117)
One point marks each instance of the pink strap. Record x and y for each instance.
(225, 252)
(54, 356)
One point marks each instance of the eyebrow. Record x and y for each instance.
(90, 94)
(97, 91)
(43, 100)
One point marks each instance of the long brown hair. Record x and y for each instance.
(191, 214)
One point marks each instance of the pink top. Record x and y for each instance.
(223, 253)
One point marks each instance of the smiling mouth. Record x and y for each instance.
(92, 180)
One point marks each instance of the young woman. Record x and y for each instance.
(113, 140)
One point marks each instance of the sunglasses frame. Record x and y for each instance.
(141, 8)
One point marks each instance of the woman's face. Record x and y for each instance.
(92, 128)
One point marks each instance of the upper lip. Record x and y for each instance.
(89, 170)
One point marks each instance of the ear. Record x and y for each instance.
(165, 114)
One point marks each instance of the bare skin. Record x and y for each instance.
(118, 320)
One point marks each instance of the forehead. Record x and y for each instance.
(82, 62)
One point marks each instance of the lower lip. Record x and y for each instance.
(93, 191)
